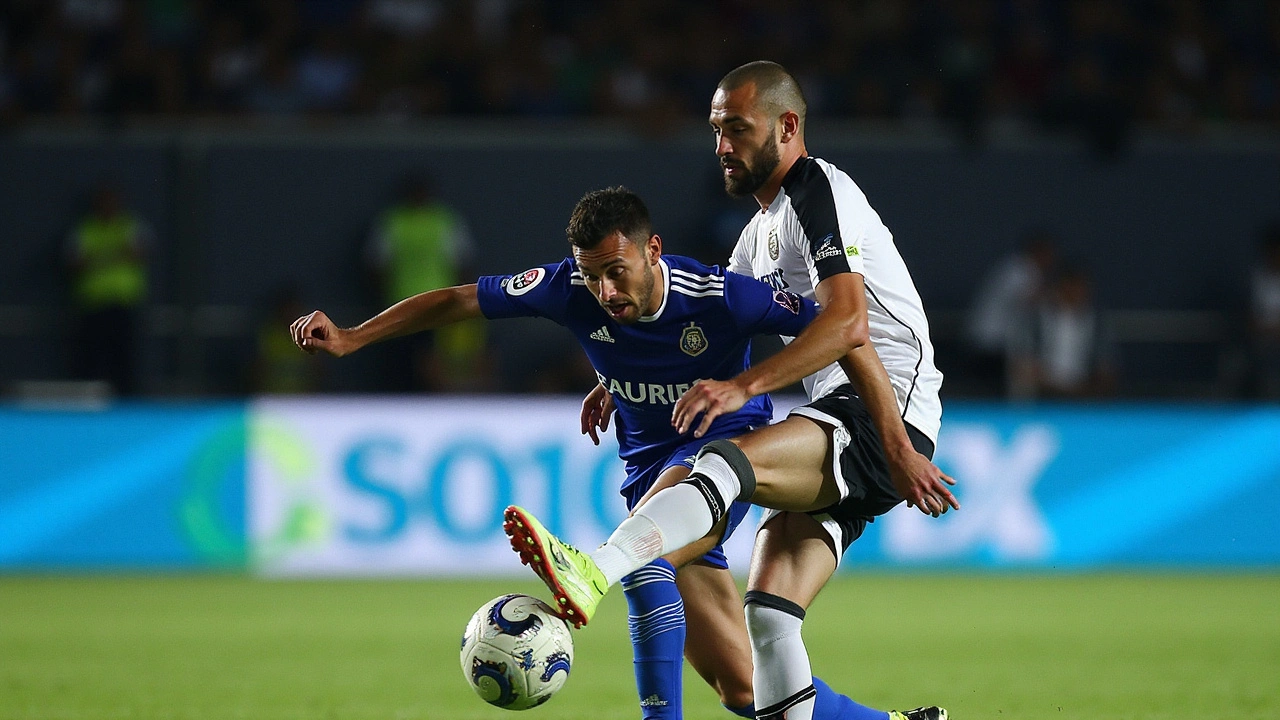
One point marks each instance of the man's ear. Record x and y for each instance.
(653, 249)
(790, 126)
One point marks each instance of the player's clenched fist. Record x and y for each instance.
(317, 332)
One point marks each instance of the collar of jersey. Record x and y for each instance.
(666, 292)
(789, 178)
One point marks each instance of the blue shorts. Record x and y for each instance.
(642, 477)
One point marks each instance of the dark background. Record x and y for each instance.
(1144, 134)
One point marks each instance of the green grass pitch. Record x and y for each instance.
(1094, 647)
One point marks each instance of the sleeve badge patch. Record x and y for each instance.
(790, 301)
(525, 281)
(827, 248)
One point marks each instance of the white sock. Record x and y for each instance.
(658, 527)
(672, 518)
(635, 543)
(783, 679)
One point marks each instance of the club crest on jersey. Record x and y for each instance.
(773, 243)
(790, 301)
(525, 281)
(693, 341)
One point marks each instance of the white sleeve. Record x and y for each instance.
(740, 258)
(853, 221)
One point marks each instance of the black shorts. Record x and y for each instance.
(860, 468)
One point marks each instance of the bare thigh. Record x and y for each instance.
(792, 463)
(793, 558)
(716, 641)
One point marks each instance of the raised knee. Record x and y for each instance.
(738, 463)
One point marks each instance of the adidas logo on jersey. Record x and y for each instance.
(602, 335)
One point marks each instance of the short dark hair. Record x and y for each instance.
(601, 213)
(776, 89)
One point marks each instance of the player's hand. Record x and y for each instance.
(317, 332)
(710, 399)
(921, 483)
(597, 408)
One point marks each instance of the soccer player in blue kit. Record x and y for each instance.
(652, 325)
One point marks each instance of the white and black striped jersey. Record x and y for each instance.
(821, 225)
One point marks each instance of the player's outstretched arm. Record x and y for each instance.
(840, 327)
(915, 477)
(425, 311)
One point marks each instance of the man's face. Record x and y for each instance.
(620, 274)
(746, 140)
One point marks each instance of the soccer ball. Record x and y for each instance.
(516, 652)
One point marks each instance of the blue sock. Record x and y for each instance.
(830, 706)
(826, 706)
(655, 614)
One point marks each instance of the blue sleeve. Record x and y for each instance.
(542, 291)
(761, 310)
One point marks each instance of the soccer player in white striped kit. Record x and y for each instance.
(861, 446)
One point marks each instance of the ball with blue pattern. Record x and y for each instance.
(516, 653)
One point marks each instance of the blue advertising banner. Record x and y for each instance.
(371, 486)
(1096, 485)
(137, 486)
(418, 487)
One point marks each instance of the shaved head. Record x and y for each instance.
(776, 90)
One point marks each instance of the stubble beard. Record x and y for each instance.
(642, 298)
(758, 172)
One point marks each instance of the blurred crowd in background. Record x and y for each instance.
(1033, 329)
(1093, 68)
(1097, 66)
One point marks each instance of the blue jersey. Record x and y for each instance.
(703, 329)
